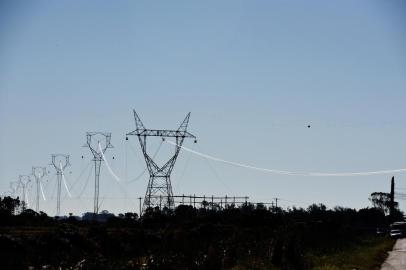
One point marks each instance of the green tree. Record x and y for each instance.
(381, 200)
(9, 205)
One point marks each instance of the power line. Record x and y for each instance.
(119, 179)
(80, 175)
(281, 172)
(86, 182)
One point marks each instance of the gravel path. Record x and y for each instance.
(397, 257)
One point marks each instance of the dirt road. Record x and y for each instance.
(397, 257)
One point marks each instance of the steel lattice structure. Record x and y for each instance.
(23, 182)
(159, 184)
(38, 173)
(97, 152)
(60, 162)
(13, 188)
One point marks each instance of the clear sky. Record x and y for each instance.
(254, 74)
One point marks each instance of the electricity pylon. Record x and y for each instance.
(159, 190)
(13, 188)
(60, 162)
(23, 181)
(98, 152)
(38, 173)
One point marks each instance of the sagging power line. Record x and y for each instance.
(282, 172)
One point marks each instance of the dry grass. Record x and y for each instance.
(369, 255)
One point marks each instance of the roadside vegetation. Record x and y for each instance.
(247, 237)
(365, 254)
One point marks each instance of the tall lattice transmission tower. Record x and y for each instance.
(60, 162)
(97, 142)
(38, 173)
(24, 181)
(159, 191)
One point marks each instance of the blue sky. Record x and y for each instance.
(254, 74)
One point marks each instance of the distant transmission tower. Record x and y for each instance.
(159, 190)
(60, 162)
(23, 181)
(13, 188)
(97, 142)
(38, 173)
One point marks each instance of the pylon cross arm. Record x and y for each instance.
(162, 133)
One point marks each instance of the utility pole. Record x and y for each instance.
(60, 162)
(140, 205)
(97, 142)
(392, 199)
(38, 173)
(159, 185)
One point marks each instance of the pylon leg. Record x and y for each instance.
(58, 195)
(97, 165)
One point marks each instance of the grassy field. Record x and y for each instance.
(367, 254)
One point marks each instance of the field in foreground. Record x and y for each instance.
(247, 237)
(367, 254)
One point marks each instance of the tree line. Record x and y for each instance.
(248, 237)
